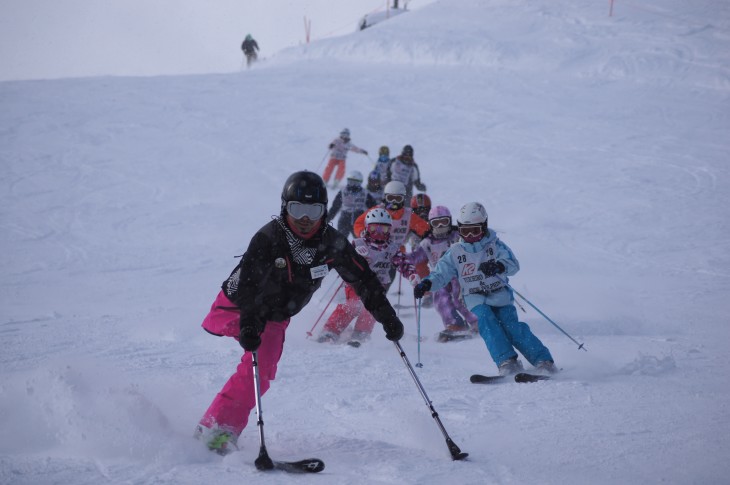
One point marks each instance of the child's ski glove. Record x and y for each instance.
(491, 268)
(421, 288)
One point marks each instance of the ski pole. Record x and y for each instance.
(456, 453)
(309, 334)
(418, 329)
(263, 462)
(326, 292)
(400, 280)
(520, 306)
(504, 282)
(323, 159)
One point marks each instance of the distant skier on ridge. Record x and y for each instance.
(250, 48)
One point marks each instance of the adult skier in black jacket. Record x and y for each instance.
(250, 48)
(284, 265)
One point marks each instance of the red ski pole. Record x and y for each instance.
(309, 334)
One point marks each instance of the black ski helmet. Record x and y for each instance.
(304, 186)
(407, 151)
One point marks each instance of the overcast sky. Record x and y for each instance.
(69, 38)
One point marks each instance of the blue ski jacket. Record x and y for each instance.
(448, 267)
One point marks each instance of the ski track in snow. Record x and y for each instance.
(598, 145)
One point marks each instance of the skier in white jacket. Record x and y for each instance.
(338, 154)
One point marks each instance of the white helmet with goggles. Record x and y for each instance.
(355, 178)
(394, 195)
(377, 227)
(472, 222)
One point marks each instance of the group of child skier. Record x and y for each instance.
(463, 267)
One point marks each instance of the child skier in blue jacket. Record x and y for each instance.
(479, 261)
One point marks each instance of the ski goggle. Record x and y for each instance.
(471, 231)
(395, 198)
(437, 222)
(379, 229)
(299, 211)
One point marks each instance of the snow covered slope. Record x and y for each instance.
(598, 144)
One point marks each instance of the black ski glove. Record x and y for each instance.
(420, 186)
(491, 268)
(365, 152)
(393, 329)
(332, 145)
(250, 336)
(421, 288)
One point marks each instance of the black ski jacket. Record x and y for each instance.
(268, 284)
(249, 47)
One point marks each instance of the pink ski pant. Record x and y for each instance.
(345, 312)
(233, 404)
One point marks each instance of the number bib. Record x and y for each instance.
(379, 260)
(467, 264)
(399, 229)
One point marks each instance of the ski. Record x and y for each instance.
(447, 336)
(264, 462)
(522, 377)
(480, 379)
(310, 465)
(354, 343)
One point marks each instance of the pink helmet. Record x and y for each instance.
(439, 218)
(439, 211)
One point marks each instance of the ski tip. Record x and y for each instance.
(480, 379)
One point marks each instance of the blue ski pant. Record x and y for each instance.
(503, 333)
